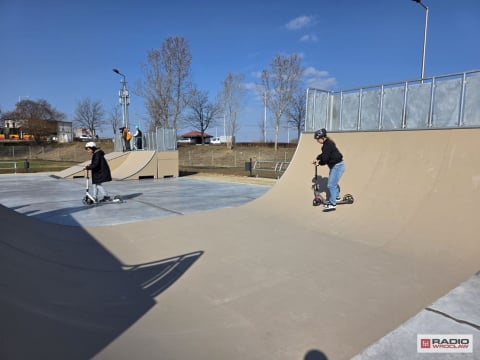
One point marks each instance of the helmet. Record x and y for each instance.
(320, 134)
(90, 144)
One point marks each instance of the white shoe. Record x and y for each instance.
(329, 206)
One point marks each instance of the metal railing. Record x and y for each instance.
(277, 167)
(10, 165)
(445, 101)
(159, 140)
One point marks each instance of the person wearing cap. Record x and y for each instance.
(333, 158)
(100, 171)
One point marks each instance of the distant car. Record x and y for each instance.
(85, 137)
(186, 141)
(215, 140)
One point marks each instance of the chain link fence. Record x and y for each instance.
(232, 158)
(60, 152)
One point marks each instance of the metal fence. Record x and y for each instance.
(445, 101)
(159, 140)
(233, 159)
(43, 152)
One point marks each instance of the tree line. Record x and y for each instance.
(172, 99)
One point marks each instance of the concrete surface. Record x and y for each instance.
(276, 279)
(59, 201)
(115, 159)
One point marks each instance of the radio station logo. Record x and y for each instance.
(459, 343)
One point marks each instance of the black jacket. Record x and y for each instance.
(330, 154)
(100, 169)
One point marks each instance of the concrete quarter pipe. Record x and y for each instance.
(279, 278)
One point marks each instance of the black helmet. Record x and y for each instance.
(320, 134)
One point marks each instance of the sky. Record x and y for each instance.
(64, 51)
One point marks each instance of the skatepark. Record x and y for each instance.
(264, 275)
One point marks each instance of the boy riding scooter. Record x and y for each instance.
(100, 171)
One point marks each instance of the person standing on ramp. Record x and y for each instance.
(333, 158)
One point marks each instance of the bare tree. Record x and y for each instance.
(89, 115)
(115, 117)
(202, 112)
(262, 126)
(296, 112)
(279, 83)
(232, 97)
(167, 85)
(37, 118)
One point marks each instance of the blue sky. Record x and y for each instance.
(64, 51)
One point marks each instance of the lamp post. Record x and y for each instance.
(124, 98)
(422, 74)
(265, 116)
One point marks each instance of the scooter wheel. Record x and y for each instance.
(316, 202)
(348, 198)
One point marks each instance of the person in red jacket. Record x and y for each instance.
(100, 171)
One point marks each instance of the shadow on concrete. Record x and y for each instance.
(64, 296)
(131, 196)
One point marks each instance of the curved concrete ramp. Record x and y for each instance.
(136, 162)
(274, 279)
(147, 164)
(132, 165)
(114, 159)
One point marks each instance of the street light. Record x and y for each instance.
(424, 36)
(124, 98)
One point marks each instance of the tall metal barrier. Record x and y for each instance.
(446, 101)
(159, 140)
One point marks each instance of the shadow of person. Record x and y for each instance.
(315, 355)
(66, 296)
(320, 183)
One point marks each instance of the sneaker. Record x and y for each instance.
(329, 206)
(105, 198)
(339, 198)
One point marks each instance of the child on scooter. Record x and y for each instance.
(100, 171)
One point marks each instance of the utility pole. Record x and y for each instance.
(422, 73)
(124, 98)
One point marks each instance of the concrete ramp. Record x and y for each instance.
(274, 279)
(413, 190)
(132, 165)
(147, 165)
(114, 159)
(138, 164)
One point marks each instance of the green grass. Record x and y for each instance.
(35, 166)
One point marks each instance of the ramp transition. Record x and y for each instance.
(114, 159)
(133, 165)
(277, 278)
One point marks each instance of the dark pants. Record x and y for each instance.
(138, 142)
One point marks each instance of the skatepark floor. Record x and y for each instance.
(58, 201)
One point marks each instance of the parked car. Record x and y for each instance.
(85, 137)
(186, 141)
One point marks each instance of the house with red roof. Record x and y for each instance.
(195, 137)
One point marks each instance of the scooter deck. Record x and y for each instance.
(347, 199)
(88, 201)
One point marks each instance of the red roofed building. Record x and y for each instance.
(195, 137)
